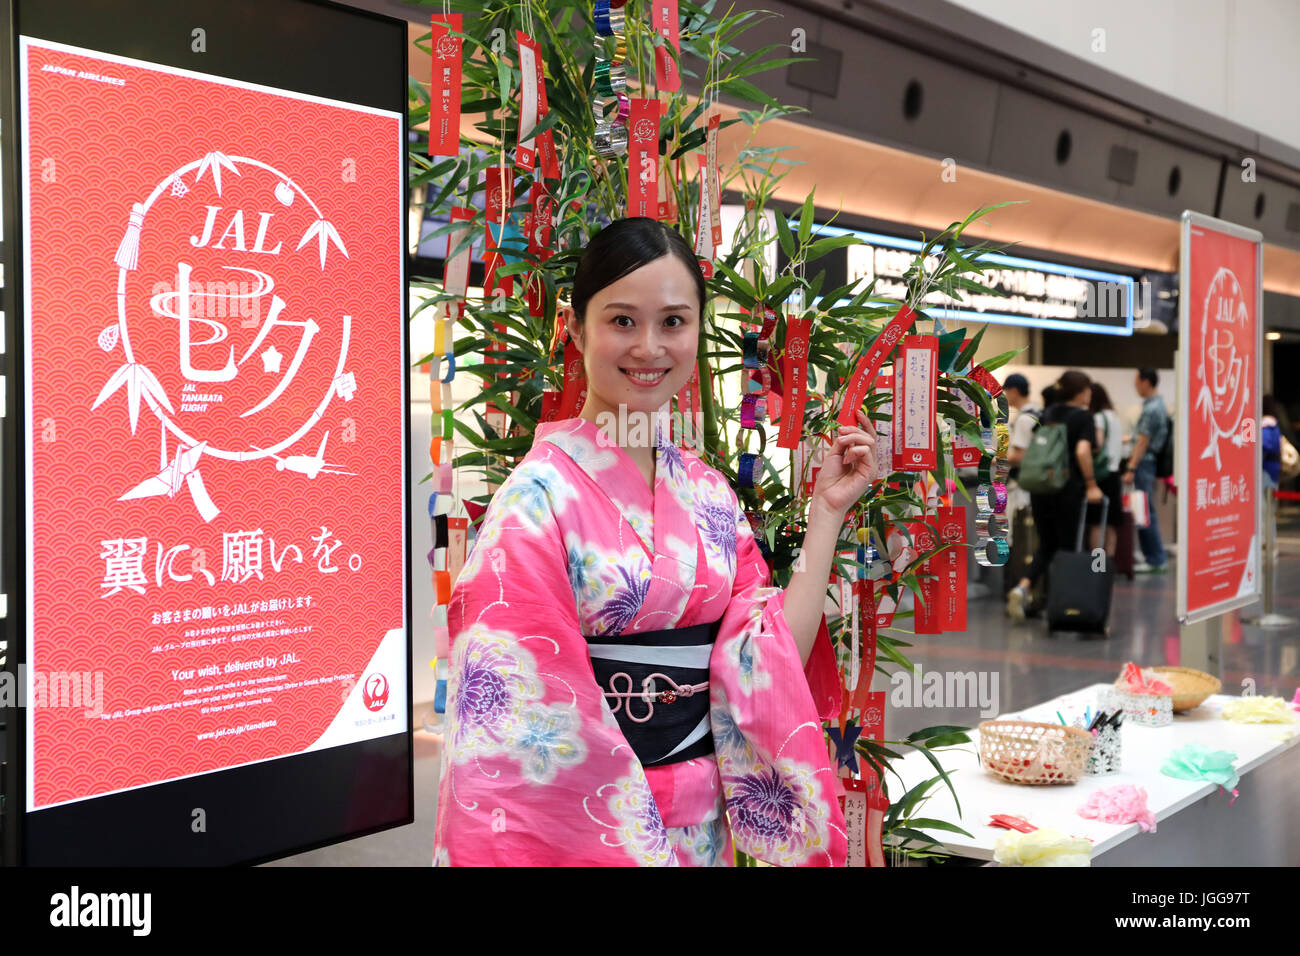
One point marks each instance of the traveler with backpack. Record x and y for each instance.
(1106, 464)
(1028, 413)
(1057, 471)
(1152, 454)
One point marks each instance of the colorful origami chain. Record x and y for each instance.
(992, 550)
(753, 406)
(441, 455)
(611, 80)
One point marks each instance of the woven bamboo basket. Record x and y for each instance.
(1191, 687)
(1022, 751)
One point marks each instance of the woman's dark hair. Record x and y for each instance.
(1050, 396)
(1267, 406)
(1100, 400)
(1070, 384)
(624, 246)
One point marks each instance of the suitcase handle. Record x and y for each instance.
(1083, 520)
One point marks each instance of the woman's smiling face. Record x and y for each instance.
(639, 338)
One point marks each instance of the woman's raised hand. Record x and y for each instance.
(848, 467)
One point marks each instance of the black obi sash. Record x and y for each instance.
(660, 731)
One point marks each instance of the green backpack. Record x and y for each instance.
(1046, 466)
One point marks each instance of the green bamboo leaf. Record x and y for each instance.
(814, 287)
(909, 834)
(909, 800)
(784, 235)
(503, 82)
(967, 353)
(546, 122)
(829, 244)
(777, 292)
(744, 292)
(835, 295)
(934, 762)
(936, 731)
(1000, 360)
(770, 64)
(889, 651)
(692, 140)
(917, 823)
(806, 218)
(747, 91)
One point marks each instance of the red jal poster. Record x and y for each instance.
(1218, 414)
(215, 438)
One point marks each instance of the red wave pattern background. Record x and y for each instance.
(110, 146)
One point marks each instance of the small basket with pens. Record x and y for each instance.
(1105, 754)
(1143, 696)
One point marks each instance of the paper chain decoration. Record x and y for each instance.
(611, 80)
(992, 549)
(442, 452)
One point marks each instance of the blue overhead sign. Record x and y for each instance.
(1036, 294)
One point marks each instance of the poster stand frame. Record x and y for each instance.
(1201, 629)
(273, 827)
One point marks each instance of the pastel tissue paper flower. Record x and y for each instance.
(1124, 803)
(1044, 847)
(1198, 762)
(1258, 710)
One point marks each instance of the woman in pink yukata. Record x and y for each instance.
(625, 689)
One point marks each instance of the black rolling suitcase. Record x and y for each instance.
(1078, 597)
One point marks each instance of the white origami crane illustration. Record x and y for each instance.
(183, 469)
(325, 233)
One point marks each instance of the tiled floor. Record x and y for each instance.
(1030, 666)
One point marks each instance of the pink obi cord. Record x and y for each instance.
(663, 697)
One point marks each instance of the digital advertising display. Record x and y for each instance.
(1217, 444)
(214, 482)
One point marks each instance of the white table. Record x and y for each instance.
(1194, 824)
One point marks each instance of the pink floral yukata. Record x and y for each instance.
(535, 769)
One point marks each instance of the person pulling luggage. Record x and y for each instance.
(1057, 472)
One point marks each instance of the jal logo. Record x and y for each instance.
(916, 456)
(494, 199)
(448, 47)
(1223, 375)
(232, 340)
(575, 368)
(374, 694)
(951, 533)
(645, 131)
(798, 349)
(890, 335)
(924, 542)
